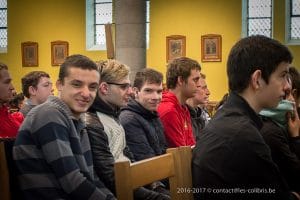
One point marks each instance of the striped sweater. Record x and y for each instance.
(53, 156)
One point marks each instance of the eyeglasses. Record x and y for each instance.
(123, 86)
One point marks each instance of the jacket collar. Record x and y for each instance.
(136, 107)
(237, 103)
(100, 106)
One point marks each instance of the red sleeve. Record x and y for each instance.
(18, 117)
(9, 126)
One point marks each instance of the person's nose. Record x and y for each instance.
(156, 96)
(11, 87)
(287, 85)
(130, 90)
(208, 92)
(85, 91)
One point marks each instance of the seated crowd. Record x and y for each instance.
(66, 145)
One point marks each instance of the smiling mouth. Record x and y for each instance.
(82, 102)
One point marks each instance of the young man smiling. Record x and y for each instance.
(106, 134)
(143, 128)
(52, 151)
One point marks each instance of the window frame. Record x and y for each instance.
(91, 29)
(245, 18)
(288, 21)
(4, 49)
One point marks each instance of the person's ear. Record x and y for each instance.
(103, 88)
(32, 91)
(180, 80)
(256, 79)
(135, 91)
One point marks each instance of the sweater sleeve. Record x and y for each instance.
(54, 140)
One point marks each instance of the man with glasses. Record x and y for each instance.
(36, 86)
(196, 106)
(183, 76)
(107, 135)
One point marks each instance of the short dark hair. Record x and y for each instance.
(77, 61)
(295, 78)
(16, 100)
(32, 79)
(147, 75)
(254, 53)
(180, 67)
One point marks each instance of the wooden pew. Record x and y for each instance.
(175, 165)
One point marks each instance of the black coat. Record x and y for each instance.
(231, 159)
(198, 122)
(144, 131)
(102, 156)
(285, 151)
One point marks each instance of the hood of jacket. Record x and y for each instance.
(169, 97)
(136, 107)
(169, 100)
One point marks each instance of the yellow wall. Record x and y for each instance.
(44, 21)
(193, 19)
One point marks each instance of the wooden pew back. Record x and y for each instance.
(175, 165)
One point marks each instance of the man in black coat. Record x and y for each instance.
(107, 135)
(231, 160)
(143, 128)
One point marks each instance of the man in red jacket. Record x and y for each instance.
(9, 123)
(183, 77)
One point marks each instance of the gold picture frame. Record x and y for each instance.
(176, 45)
(29, 54)
(59, 51)
(211, 48)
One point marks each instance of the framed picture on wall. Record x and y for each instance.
(175, 46)
(211, 48)
(29, 54)
(59, 51)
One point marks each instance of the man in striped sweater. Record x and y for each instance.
(52, 150)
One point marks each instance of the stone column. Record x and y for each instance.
(130, 42)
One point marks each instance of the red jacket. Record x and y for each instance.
(176, 120)
(9, 122)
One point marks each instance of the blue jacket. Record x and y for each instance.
(144, 131)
